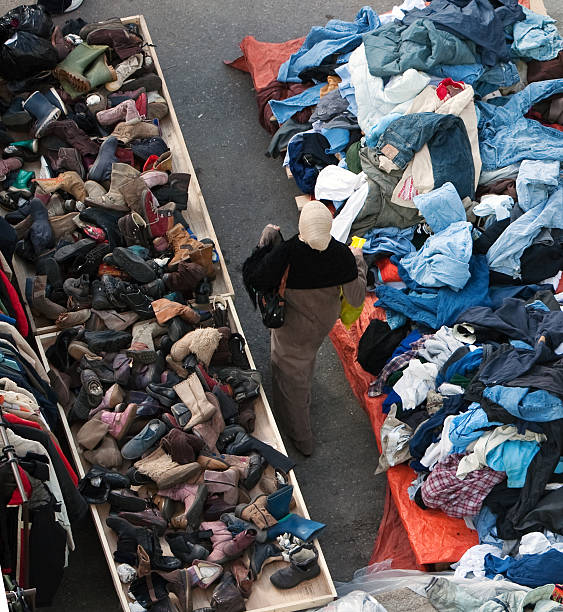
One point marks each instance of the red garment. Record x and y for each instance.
(446, 88)
(275, 90)
(14, 418)
(21, 320)
(263, 60)
(16, 498)
(389, 271)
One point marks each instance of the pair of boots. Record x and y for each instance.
(130, 538)
(191, 392)
(185, 247)
(165, 472)
(84, 68)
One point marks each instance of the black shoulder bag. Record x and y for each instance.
(272, 304)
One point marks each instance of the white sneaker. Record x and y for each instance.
(74, 5)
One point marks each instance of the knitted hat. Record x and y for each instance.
(315, 224)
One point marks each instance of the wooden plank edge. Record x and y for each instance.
(141, 21)
(79, 467)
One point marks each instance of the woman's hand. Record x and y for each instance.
(269, 235)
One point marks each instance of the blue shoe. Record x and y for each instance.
(141, 251)
(303, 528)
(145, 439)
(278, 502)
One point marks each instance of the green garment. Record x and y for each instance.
(378, 210)
(353, 158)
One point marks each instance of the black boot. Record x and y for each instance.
(185, 550)
(150, 591)
(99, 300)
(107, 340)
(135, 300)
(303, 565)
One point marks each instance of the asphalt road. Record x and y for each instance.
(244, 190)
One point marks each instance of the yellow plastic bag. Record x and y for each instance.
(348, 314)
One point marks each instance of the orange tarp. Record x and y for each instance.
(433, 536)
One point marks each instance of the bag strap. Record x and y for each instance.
(283, 282)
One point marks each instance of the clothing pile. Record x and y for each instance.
(101, 216)
(435, 134)
(29, 414)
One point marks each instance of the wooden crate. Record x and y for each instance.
(197, 214)
(264, 598)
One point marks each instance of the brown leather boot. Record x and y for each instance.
(256, 512)
(226, 595)
(243, 577)
(185, 247)
(178, 582)
(134, 230)
(164, 310)
(225, 483)
(67, 181)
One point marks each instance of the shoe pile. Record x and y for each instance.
(163, 410)
(89, 186)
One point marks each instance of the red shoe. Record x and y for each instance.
(96, 233)
(159, 222)
(151, 161)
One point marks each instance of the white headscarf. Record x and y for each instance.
(315, 224)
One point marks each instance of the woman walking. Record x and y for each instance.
(319, 269)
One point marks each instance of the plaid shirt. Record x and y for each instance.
(397, 363)
(458, 498)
